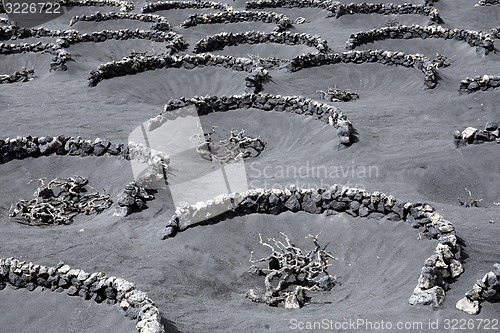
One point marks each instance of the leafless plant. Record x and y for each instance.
(59, 202)
(291, 273)
(471, 201)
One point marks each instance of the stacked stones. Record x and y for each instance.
(428, 67)
(174, 41)
(442, 266)
(167, 5)
(255, 81)
(23, 76)
(495, 32)
(268, 102)
(70, 37)
(124, 5)
(482, 41)
(260, 4)
(75, 282)
(487, 3)
(132, 199)
(472, 135)
(160, 23)
(28, 48)
(140, 63)
(33, 147)
(339, 10)
(220, 40)
(477, 83)
(486, 289)
(282, 21)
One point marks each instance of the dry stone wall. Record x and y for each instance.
(141, 63)
(282, 21)
(339, 10)
(473, 135)
(440, 268)
(488, 3)
(24, 75)
(267, 102)
(482, 41)
(90, 286)
(427, 66)
(167, 5)
(160, 23)
(485, 289)
(223, 39)
(124, 5)
(480, 83)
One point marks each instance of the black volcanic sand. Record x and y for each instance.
(198, 279)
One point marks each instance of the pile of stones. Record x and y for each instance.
(495, 32)
(133, 199)
(486, 289)
(267, 102)
(472, 135)
(428, 67)
(339, 10)
(125, 6)
(255, 80)
(487, 3)
(19, 76)
(91, 286)
(282, 21)
(141, 63)
(223, 39)
(160, 23)
(167, 5)
(480, 83)
(482, 41)
(440, 268)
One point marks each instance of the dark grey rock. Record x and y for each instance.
(292, 204)
(491, 126)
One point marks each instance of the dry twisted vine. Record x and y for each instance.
(235, 148)
(287, 261)
(59, 202)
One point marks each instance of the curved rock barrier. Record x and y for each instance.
(472, 135)
(141, 63)
(440, 268)
(339, 10)
(71, 36)
(124, 5)
(58, 61)
(167, 5)
(32, 147)
(427, 66)
(282, 21)
(267, 102)
(174, 41)
(485, 289)
(223, 39)
(160, 23)
(487, 3)
(480, 83)
(91, 286)
(24, 75)
(261, 4)
(480, 40)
